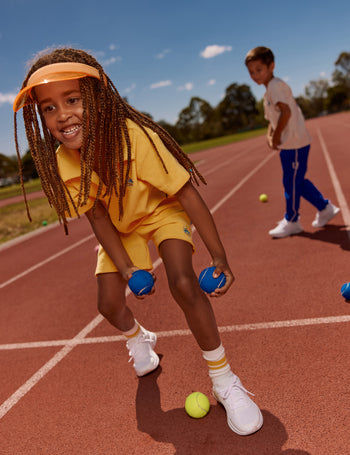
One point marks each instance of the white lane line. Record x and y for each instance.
(49, 259)
(177, 333)
(31, 382)
(242, 182)
(337, 187)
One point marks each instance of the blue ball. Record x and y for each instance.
(345, 291)
(141, 282)
(208, 283)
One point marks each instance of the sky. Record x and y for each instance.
(160, 54)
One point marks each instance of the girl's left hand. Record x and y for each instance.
(222, 267)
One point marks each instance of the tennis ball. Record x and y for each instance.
(345, 291)
(44, 223)
(141, 282)
(197, 405)
(208, 283)
(263, 198)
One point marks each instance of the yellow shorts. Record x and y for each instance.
(167, 222)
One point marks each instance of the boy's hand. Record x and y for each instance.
(222, 267)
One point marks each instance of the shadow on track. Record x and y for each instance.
(336, 234)
(332, 233)
(206, 436)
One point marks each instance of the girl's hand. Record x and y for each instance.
(222, 267)
(127, 274)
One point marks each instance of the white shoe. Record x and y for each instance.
(243, 415)
(325, 215)
(286, 228)
(141, 350)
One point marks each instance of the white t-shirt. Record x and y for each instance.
(295, 134)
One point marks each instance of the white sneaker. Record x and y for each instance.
(243, 415)
(141, 350)
(325, 215)
(285, 228)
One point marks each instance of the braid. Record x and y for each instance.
(105, 139)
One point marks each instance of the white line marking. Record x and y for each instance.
(49, 259)
(172, 333)
(242, 182)
(338, 190)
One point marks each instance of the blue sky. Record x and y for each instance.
(161, 53)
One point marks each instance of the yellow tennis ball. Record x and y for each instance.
(197, 405)
(263, 198)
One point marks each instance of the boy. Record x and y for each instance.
(287, 132)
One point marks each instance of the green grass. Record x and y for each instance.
(13, 218)
(16, 190)
(224, 140)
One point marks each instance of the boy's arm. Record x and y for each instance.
(108, 237)
(281, 124)
(202, 219)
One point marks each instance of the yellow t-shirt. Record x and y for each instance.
(149, 186)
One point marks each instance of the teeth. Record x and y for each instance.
(71, 130)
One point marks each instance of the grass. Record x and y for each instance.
(14, 221)
(224, 140)
(13, 218)
(16, 190)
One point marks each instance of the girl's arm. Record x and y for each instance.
(202, 219)
(108, 237)
(281, 124)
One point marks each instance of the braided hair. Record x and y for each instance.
(104, 130)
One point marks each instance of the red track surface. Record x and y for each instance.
(284, 324)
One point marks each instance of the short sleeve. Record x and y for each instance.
(280, 92)
(150, 168)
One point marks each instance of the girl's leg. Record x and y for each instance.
(112, 305)
(184, 287)
(243, 415)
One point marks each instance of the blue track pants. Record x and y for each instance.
(294, 165)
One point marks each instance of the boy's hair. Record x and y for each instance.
(106, 113)
(264, 54)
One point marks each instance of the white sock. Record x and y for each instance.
(219, 370)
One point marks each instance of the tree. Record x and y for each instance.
(238, 109)
(195, 120)
(316, 92)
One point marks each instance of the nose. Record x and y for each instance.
(63, 113)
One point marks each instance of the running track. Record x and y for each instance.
(66, 387)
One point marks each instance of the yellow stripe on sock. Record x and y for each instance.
(134, 334)
(218, 364)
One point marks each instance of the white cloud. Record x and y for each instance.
(212, 82)
(8, 98)
(323, 74)
(214, 50)
(112, 47)
(162, 54)
(110, 61)
(130, 89)
(188, 86)
(160, 84)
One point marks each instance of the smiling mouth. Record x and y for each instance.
(71, 130)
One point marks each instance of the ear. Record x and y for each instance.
(272, 66)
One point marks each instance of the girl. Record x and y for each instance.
(134, 184)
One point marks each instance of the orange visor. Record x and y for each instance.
(53, 73)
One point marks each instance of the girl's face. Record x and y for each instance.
(260, 72)
(62, 107)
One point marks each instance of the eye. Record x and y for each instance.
(73, 99)
(47, 109)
